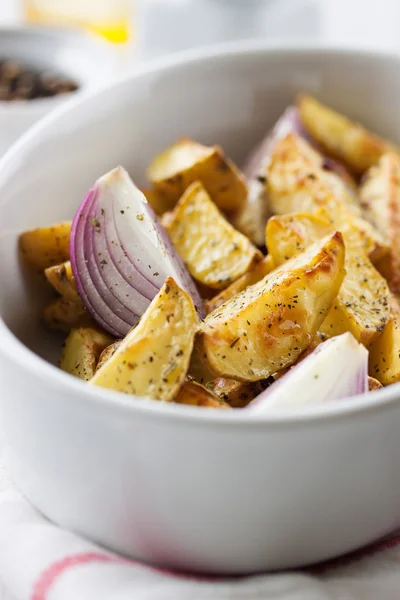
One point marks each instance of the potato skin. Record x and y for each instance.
(265, 328)
(380, 202)
(153, 358)
(237, 394)
(384, 353)
(63, 280)
(214, 252)
(107, 353)
(373, 384)
(64, 315)
(46, 246)
(362, 305)
(185, 162)
(194, 394)
(81, 351)
(342, 138)
(253, 275)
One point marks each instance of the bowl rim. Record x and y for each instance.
(67, 34)
(15, 351)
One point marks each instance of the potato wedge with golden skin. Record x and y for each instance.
(342, 138)
(63, 280)
(296, 184)
(373, 384)
(265, 328)
(384, 353)
(237, 394)
(154, 357)
(380, 201)
(194, 394)
(255, 274)
(107, 353)
(81, 351)
(185, 162)
(46, 246)
(361, 306)
(157, 202)
(64, 315)
(214, 252)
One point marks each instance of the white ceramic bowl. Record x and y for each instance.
(211, 491)
(83, 57)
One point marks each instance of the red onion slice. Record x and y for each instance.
(338, 368)
(121, 254)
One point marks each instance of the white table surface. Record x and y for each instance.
(364, 23)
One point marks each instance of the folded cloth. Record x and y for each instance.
(40, 561)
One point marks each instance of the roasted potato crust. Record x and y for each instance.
(46, 246)
(266, 327)
(185, 162)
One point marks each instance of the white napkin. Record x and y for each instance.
(39, 561)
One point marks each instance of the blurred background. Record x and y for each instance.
(51, 49)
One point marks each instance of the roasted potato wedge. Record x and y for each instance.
(255, 274)
(108, 353)
(154, 357)
(214, 252)
(237, 394)
(373, 384)
(384, 353)
(157, 202)
(342, 138)
(265, 328)
(46, 246)
(63, 280)
(380, 201)
(81, 351)
(361, 306)
(185, 162)
(64, 315)
(197, 395)
(296, 184)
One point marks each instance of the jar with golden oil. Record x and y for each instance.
(110, 18)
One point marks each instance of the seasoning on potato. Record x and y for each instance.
(153, 359)
(185, 162)
(215, 253)
(266, 327)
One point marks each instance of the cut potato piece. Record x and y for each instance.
(214, 252)
(63, 280)
(81, 351)
(238, 394)
(185, 162)
(384, 353)
(295, 184)
(255, 274)
(46, 246)
(340, 137)
(373, 384)
(266, 327)
(157, 202)
(380, 201)
(197, 395)
(362, 305)
(64, 315)
(108, 353)
(153, 358)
